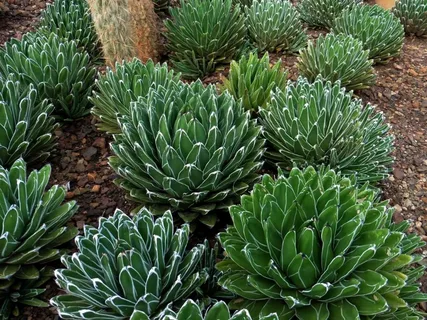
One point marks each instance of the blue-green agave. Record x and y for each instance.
(32, 230)
(26, 123)
(189, 149)
(322, 13)
(129, 269)
(337, 58)
(60, 71)
(118, 88)
(204, 35)
(275, 25)
(412, 15)
(321, 124)
(314, 245)
(379, 30)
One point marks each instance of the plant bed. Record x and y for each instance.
(80, 160)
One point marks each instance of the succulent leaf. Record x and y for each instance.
(252, 79)
(26, 124)
(71, 20)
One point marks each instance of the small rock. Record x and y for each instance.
(398, 174)
(407, 203)
(69, 195)
(80, 224)
(89, 153)
(80, 166)
(94, 205)
(412, 72)
(99, 143)
(91, 176)
(96, 188)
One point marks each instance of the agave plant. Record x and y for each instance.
(204, 34)
(274, 25)
(316, 246)
(71, 20)
(380, 31)
(320, 124)
(189, 149)
(321, 13)
(32, 228)
(57, 68)
(252, 79)
(128, 268)
(413, 16)
(219, 311)
(118, 88)
(338, 57)
(26, 125)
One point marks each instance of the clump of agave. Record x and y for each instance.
(59, 70)
(71, 20)
(252, 79)
(128, 268)
(188, 149)
(320, 124)
(380, 31)
(338, 57)
(116, 89)
(317, 246)
(203, 35)
(412, 15)
(322, 13)
(274, 25)
(219, 311)
(32, 229)
(26, 124)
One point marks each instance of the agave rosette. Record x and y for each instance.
(379, 30)
(252, 79)
(118, 88)
(71, 20)
(32, 229)
(321, 124)
(128, 268)
(338, 57)
(188, 149)
(59, 70)
(412, 15)
(316, 246)
(275, 25)
(204, 35)
(322, 13)
(26, 124)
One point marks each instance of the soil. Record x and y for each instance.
(81, 159)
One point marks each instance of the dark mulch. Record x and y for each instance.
(81, 160)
